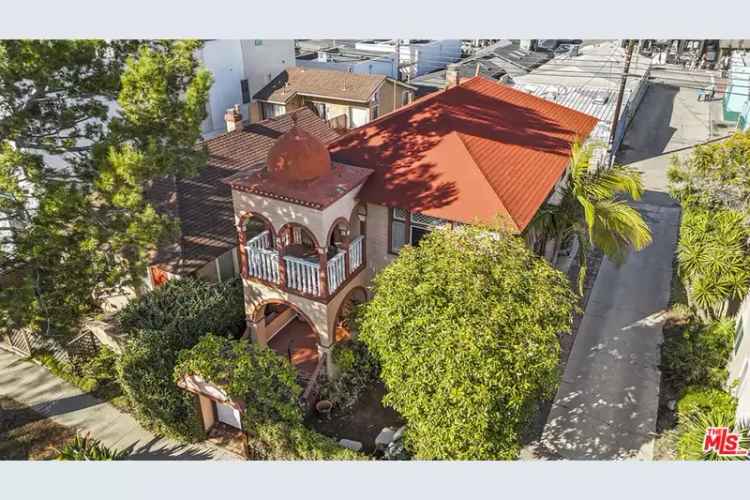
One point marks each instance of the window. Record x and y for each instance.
(321, 109)
(272, 110)
(225, 266)
(258, 42)
(375, 107)
(405, 98)
(410, 228)
(245, 91)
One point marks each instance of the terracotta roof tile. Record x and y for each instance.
(471, 152)
(203, 203)
(320, 82)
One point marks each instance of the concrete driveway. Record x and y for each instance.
(607, 403)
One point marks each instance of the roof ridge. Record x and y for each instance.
(429, 97)
(262, 122)
(484, 175)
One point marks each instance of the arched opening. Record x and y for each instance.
(357, 221)
(258, 231)
(298, 241)
(289, 332)
(344, 327)
(338, 235)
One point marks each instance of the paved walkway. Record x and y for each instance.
(34, 386)
(607, 403)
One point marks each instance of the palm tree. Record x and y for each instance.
(592, 210)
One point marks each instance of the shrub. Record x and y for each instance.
(704, 399)
(281, 441)
(691, 432)
(66, 372)
(161, 324)
(465, 330)
(357, 370)
(263, 380)
(699, 356)
(86, 448)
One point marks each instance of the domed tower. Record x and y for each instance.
(298, 156)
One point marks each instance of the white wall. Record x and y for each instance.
(367, 67)
(230, 62)
(264, 59)
(741, 356)
(223, 58)
(428, 57)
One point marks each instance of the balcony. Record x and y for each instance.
(301, 274)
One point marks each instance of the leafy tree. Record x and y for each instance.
(591, 210)
(74, 164)
(465, 330)
(714, 176)
(713, 260)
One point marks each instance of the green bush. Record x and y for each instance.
(280, 441)
(86, 448)
(357, 370)
(161, 324)
(691, 433)
(699, 356)
(263, 380)
(704, 399)
(66, 372)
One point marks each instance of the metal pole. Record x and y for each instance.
(396, 72)
(620, 94)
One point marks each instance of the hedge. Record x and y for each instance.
(161, 324)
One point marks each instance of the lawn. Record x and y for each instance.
(28, 435)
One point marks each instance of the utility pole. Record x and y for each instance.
(396, 72)
(620, 94)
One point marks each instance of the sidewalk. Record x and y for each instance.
(34, 386)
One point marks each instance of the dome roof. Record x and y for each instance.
(298, 156)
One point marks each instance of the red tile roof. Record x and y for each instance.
(468, 153)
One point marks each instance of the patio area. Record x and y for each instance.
(297, 342)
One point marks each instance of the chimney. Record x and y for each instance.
(452, 76)
(233, 117)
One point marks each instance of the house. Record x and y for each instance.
(737, 95)
(415, 57)
(739, 363)
(206, 246)
(589, 82)
(316, 222)
(349, 59)
(501, 61)
(347, 100)
(239, 68)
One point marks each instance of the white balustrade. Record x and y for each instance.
(355, 253)
(262, 240)
(336, 271)
(303, 275)
(263, 263)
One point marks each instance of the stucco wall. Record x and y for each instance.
(377, 238)
(740, 356)
(223, 58)
(264, 59)
(280, 212)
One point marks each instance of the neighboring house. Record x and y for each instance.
(589, 82)
(346, 99)
(502, 61)
(207, 242)
(240, 68)
(316, 223)
(355, 61)
(737, 94)
(416, 57)
(739, 364)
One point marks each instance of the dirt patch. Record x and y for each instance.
(28, 435)
(363, 423)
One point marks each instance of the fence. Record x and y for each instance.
(73, 352)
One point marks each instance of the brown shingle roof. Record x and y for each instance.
(320, 83)
(203, 203)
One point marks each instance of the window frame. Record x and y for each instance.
(409, 224)
(739, 333)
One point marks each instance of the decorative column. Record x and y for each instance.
(242, 241)
(323, 260)
(281, 250)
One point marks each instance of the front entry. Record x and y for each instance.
(228, 415)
